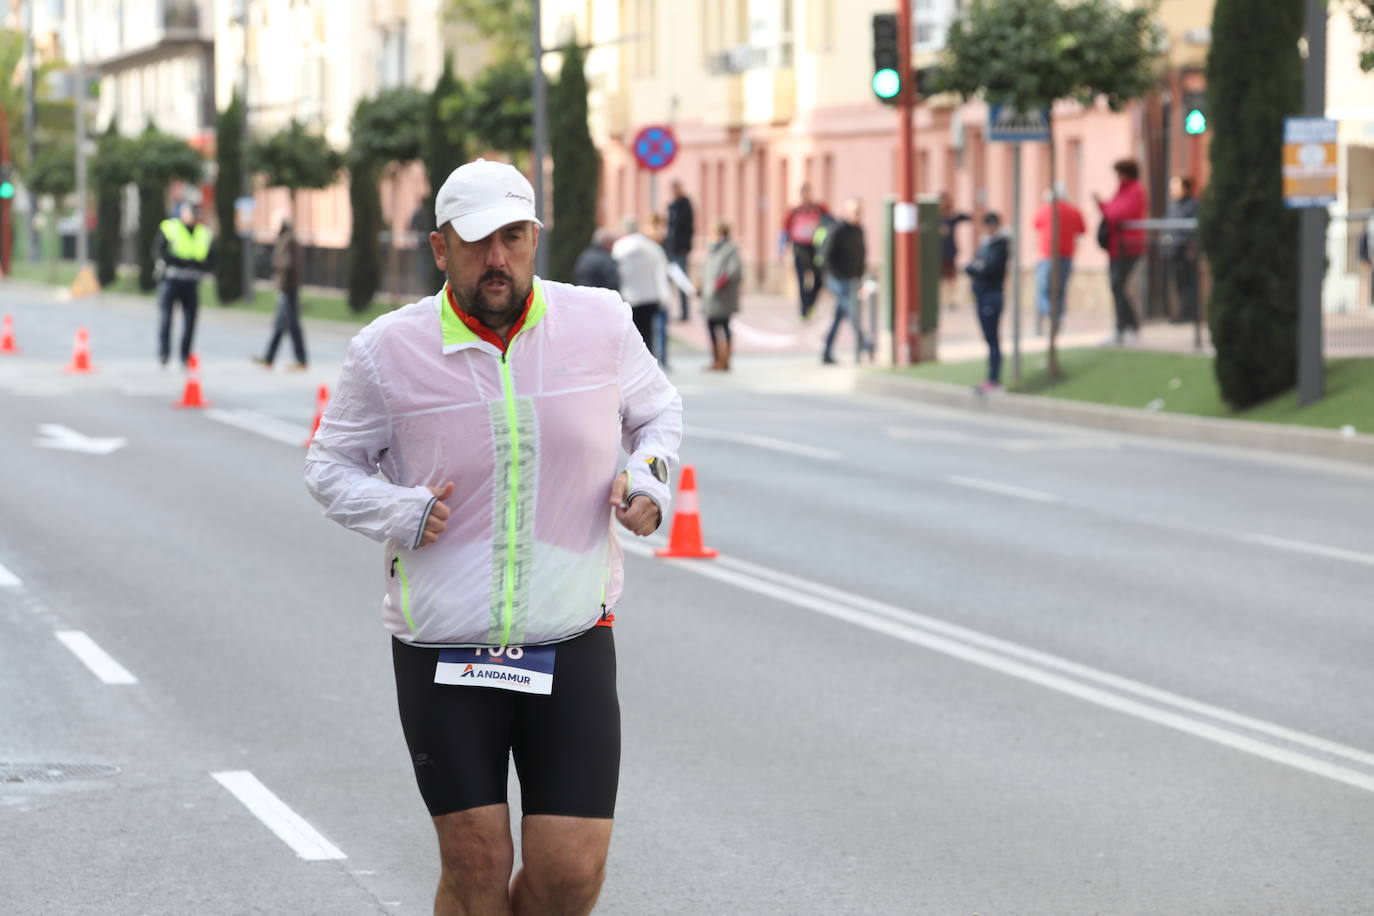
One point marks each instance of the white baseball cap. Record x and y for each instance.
(480, 197)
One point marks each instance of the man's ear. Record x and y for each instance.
(439, 246)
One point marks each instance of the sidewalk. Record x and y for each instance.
(771, 324)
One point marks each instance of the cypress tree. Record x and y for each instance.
(228, 187)
(110, 172)
(576, 166)
(1254, 80)
(445, 138)
(364, 261)
(158, 159)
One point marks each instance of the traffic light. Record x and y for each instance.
(887, 73)
(1194, 112)
(6, 181)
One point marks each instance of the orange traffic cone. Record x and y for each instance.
(685, 540)
(190, 396)
(321, 402)
(81, 353)
(7, 336)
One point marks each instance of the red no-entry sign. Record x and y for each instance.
(655, 147)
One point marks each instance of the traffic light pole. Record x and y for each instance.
(6, 242)
(906, 326)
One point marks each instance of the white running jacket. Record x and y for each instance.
(531, 441)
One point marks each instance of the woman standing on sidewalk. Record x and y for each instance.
(721, 276)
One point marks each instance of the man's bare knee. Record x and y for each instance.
(475, 851)
(564, 864)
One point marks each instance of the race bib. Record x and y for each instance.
(525, 669)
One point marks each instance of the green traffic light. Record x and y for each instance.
(1195, 122)
(6, 190)
(886, 84)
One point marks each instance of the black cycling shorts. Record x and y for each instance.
(566, 744)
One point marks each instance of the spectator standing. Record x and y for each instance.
(949, 251)
(988, 271)
(799, 228)
(721, 277)
(1179, 247)
(845, 259)
(643, 268)
(1124, 246)
(286, 272)
(678, 242)
(185, 250)
(1071, 226)
(595, 266)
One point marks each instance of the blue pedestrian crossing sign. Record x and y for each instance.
(1007, 125)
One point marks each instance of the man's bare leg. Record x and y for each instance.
(563, 865)
(475, 856)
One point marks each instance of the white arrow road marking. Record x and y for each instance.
(768, 442)
(290, 827)
(266, 426)
(69, 440)
(101, 663)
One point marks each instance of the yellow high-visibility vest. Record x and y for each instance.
(185, 243)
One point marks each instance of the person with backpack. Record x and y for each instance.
(799, 228)
(845, 259)
(1124, 246)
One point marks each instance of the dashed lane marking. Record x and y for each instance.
(1002, 489)
(292, 829)
(101, 663)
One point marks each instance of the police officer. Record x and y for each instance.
(185, 250)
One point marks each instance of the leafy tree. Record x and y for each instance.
(388, 132)
(1362, 18)
(159, 159)
(293, 158)
(364, 266)
(505, 24)
(503, 108)
(1254, 80)
(112, 169)
(576, 166)
(1029, 54)
(446, 142)
(228, 188)
(53, 172)
(54, 119)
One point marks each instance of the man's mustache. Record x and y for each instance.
(496, 275)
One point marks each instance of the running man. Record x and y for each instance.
(495, 412)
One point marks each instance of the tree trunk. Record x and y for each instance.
(394, 253)
(1056, 269)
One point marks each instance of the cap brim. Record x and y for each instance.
(476, 226)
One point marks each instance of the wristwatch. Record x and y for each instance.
(659, 468)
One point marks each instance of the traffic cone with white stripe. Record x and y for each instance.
(321, 402)
(685, 540)
(191, 395)
(81, 353)
(7, 336)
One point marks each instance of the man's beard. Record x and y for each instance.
(474, 300)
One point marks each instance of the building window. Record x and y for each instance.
(391, 63)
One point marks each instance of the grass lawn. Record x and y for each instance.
(1176, 383)
(334, 308)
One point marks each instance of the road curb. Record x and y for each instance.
(1279, 437)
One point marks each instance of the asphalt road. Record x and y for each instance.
(946, 664)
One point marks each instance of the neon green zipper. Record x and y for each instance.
(508, 390)
(398, 566)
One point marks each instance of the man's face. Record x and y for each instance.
(492, 277)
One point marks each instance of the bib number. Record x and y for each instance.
(524, 669)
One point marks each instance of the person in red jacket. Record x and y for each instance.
(1124, 246)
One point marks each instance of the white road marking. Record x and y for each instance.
(101, 663)
(1063, 675)
(290, 827)
(262, 424)
(8, 579)
(992, 486)
(911, 433)
(69, 440)
(1044, 445)
(1320, 550)
(777, 445)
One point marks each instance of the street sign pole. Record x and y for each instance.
(906, 334)
(1312, 264)
(82, 239)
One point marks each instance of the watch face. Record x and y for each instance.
(659, 468)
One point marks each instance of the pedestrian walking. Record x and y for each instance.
(678, 242)
(286, 273)
(1179, 248)
(799, 229)
(949, 251)
(1071, 226)
(721, 277)
(495, 412)
(845, 259)
(184, 251)
(988, 273)
(595, 266)
(1124, 246)
(643, 267)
